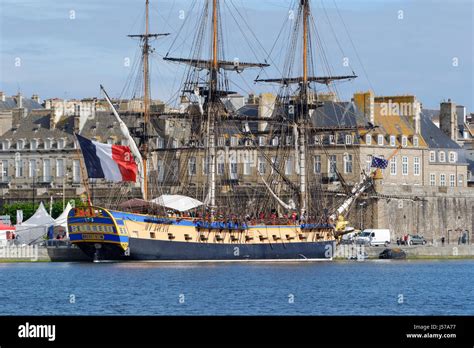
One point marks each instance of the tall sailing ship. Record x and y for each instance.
(212, 217)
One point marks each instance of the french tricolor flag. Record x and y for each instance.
(111, 162)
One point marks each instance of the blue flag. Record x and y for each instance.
(379, 162)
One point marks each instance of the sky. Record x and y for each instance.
(67, 48)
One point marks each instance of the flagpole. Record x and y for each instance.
(84, 181)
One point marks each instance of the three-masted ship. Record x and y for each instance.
(282, 218)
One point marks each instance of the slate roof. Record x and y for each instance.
(10, 103)
(435, 137)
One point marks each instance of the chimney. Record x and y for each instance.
(19, 101)
(35, 98)
(448, 119)
(2, 96)
(52, 124)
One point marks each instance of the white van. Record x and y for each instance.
(374, 237)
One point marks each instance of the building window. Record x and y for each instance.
(261, 165)
(234, 170)
(460, 180)
(4, 170)
(393, 140)
(20, 144)
(247, 166)
(348, 139)
(220, 167)
(174, 144)
(368, 163)
(76, 171)
(452, 157)
(289, 139)
(442, 180)
(221, 141)
(47, 170)
(404, 165)
(161, 171)
(452, 180)
(205, 166)
(332, 164)
(415, 142)
(59, 168)
(262, 141)
(347, 163)
(289, 166)
(61, 143)
(368, 139)
(317, 139)
(416, 165)
(34, 144)
(6, 145)
(192, 166)
(32, 169)
(442, 156)
(331, 139)
(234, 141)
(317, 164)
(432, 179)
(432, 156)
(47, 144)
(404, 141)
(18, 168)
(393, 165)
(275, 141)
(380, 139)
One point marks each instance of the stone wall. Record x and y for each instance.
(434, 212)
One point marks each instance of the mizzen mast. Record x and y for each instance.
(146, 49)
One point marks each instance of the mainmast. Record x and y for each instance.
(213, 107)
(146, 49)
(303, 115)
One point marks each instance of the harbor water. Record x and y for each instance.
(321, 288)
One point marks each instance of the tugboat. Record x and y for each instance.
(215, 225)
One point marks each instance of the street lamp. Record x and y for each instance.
(33, 173)
(64, 190)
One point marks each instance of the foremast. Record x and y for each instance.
(144, 136)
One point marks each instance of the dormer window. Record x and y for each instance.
(34, 144)
(261, 141)
(452, 157)
(221, 141)
(348, 139)
(317, 139)
(380, 139)
(48, 144)
(110, 141)
(415, 141)
(288, 140)
(61, 143)
(6, 145)
(368, 139)
(275, 141)
(393, 140)
(432, 156)
(404, 141)
(234, 141)
(442, 156)
(20, 144)
(331, 139)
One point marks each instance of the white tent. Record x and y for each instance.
(35, 227)
(177, 202)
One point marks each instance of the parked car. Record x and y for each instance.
(417, 240)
